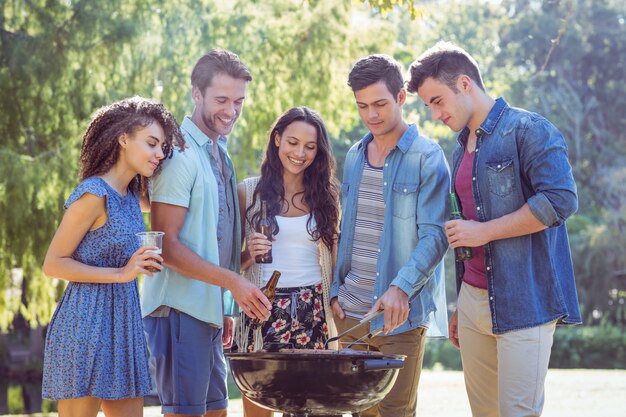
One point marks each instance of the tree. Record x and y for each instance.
(60, 61)
(50, 67)
(582, 90)
(385, 6)
(563, 59)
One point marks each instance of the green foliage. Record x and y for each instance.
(596, 347)
(290, 43)
(49, 406)
(582, 91)
(385, 6)
(441, 353)
(600, 271)
(233, 389)
(581, 87)
(15, 401)
(592, 347)
(60, 61)
(450, 23)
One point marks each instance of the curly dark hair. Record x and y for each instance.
(101, 147)
(320, 186)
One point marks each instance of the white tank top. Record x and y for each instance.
(294, 254)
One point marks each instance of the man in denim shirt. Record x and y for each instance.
(516, 189)
(394, 195)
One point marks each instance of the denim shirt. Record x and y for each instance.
(223, 172)
(416, 182)
(522, 158)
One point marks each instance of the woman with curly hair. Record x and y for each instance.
(297, 183)
(95, 351)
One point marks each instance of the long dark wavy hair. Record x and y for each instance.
(101, 147)
(320, 186)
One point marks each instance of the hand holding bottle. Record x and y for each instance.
(461, 253)
(250, 298)
(270, 292)
(264, 228)
(258, 245)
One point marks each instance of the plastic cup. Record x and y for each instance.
(152, 239)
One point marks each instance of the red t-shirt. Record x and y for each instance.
(474, 268)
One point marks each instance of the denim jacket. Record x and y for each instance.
(522, 158)
(416, 182)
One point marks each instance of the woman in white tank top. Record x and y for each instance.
(298, 183)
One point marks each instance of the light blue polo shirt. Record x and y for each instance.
(187, 180)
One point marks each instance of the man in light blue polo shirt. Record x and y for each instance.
(194, 202)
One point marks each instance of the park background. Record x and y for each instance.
(60, 60)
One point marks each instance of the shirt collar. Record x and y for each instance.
(403, 144)
(489, 124)
(198, 135)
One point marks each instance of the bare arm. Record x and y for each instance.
(85, 214)
(170, 219)
(472, 233)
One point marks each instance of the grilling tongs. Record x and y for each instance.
(363, 322)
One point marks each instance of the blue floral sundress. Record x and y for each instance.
(95, 344)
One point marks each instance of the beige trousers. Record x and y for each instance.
(505, 373)
(401, 401)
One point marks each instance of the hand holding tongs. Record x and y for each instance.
(363, 322)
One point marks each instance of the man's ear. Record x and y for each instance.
(402, 96)
(464, 83)
(196, 94)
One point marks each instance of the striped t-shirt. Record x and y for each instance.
(355, 295)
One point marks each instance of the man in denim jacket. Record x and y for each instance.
(394, 199)
(515, 186)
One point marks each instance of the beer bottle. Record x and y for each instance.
(265, 228)
(270, 292)
(462, 253)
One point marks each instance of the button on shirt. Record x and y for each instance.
(188, 180)
(225, 225)
(413, 240)
(523, 160)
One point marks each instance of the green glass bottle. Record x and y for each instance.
(462, 253)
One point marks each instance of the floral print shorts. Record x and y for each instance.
(297, 320)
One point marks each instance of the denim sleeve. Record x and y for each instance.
(431, 215)
(337, 278)
(334, 287)
(342, 256)
(546, 168)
